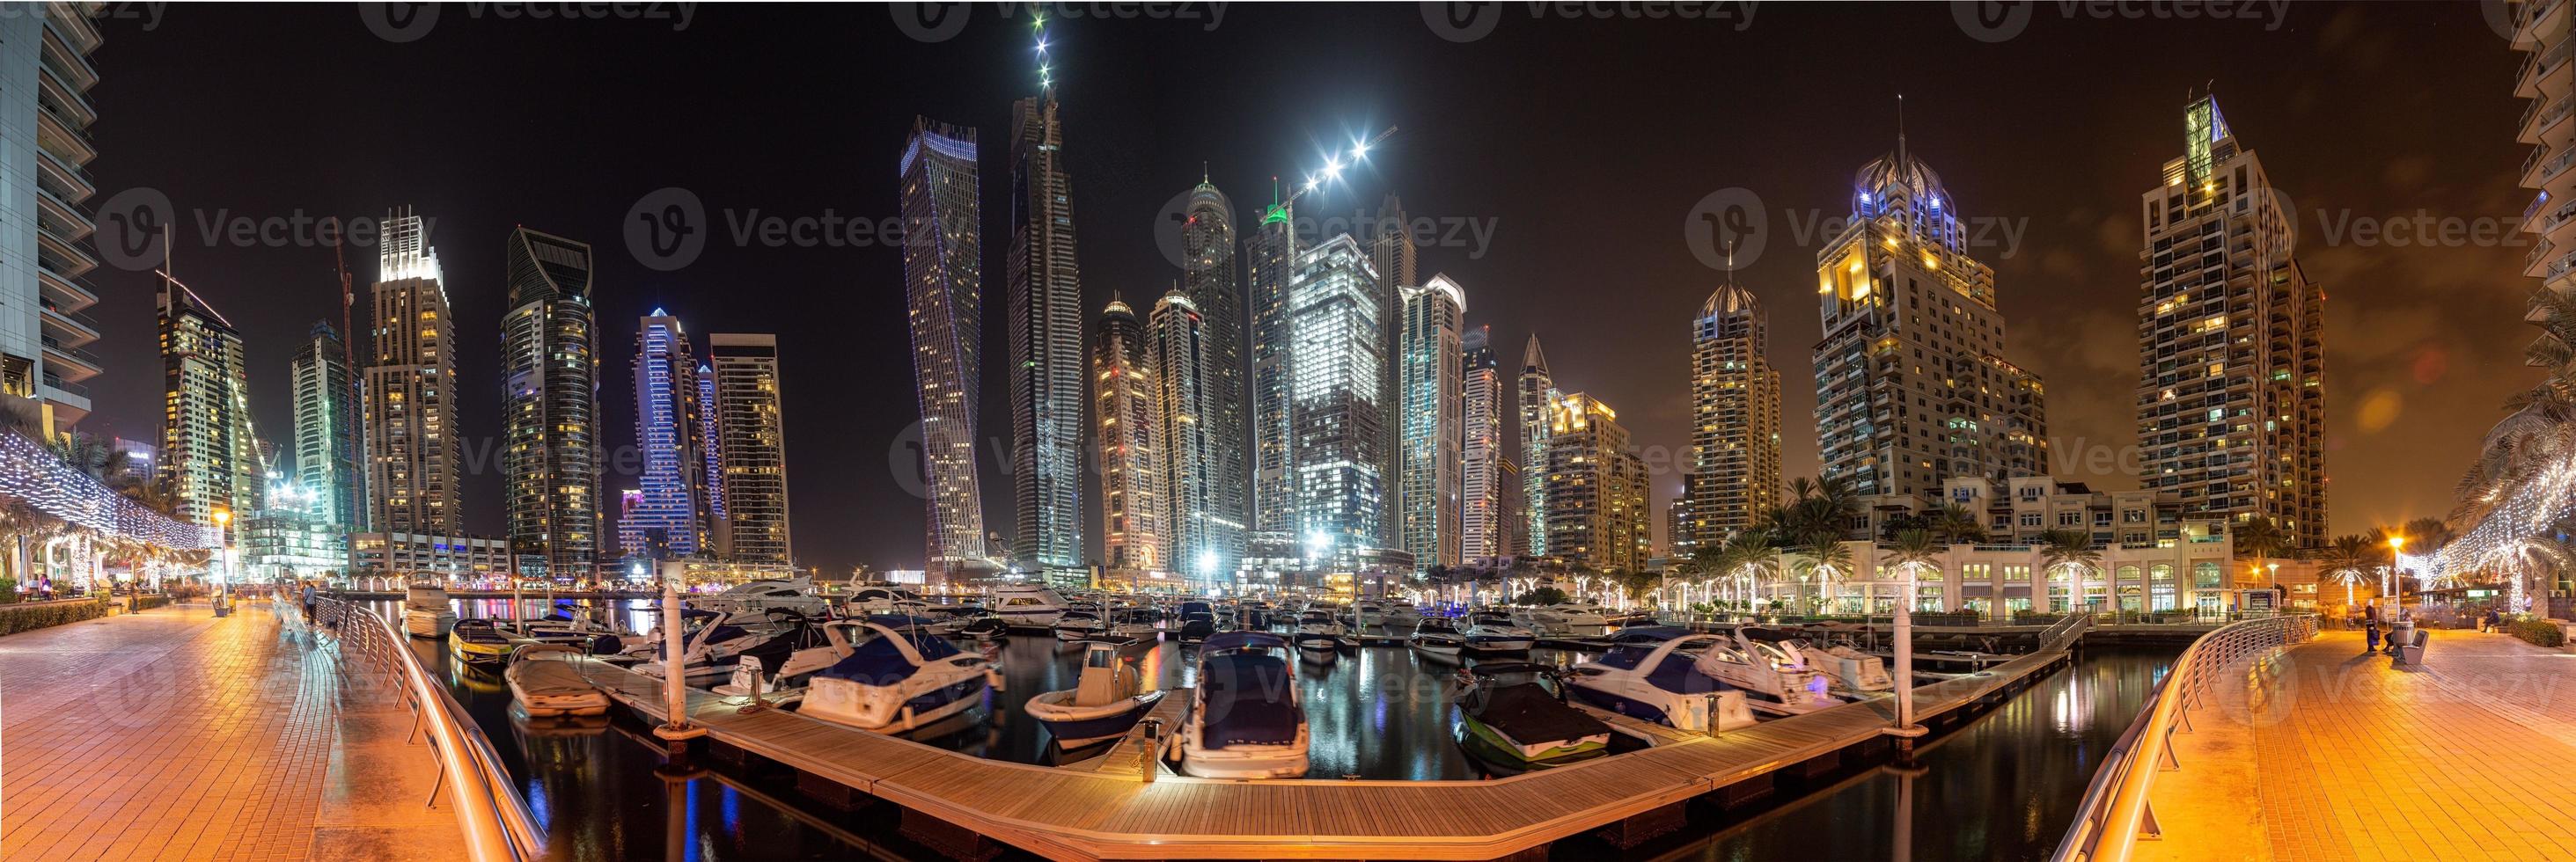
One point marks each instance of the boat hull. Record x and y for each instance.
(1076, 727)
(891, 709)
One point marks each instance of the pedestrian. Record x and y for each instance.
(2370, 632)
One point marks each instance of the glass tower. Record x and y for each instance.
(1735, 422)
(1127, 405)
(1208, 277)
(943, 270)
(414, 448)
(748, 442)
(550, 405)
(326, 457)
(1338, 408)
(1046, 342)
(670, 512)
(1432, 395)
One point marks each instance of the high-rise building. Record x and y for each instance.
(719, 525)
(210, 467)
(45, 243)
(326, 434)
(1432, 466)
(1127, 405)
(1337, 406)
(2231, 351)
(1597, 494)
(1208, 277)
(1176, 345)
(1735, 422)
(550, 405)
(2541, 28)
(1483, 533)
(750, 442)
(1537, 392)
(671, 512)
(1270, 269)
(1389, 243)
(414, 446)
(943, 271)
(1046, 342)
(1911, 383)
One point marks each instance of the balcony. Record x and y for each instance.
(65, 219)
(58, 134)
(67, 292)
(67, 328)
(72, 63)
(73, 363)
(69, 180)
(2541, 117)
(63, 256)
(72, 104)
(2537, 17)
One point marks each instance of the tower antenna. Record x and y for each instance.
(1900, 130)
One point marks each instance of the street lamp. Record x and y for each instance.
(2396, 578)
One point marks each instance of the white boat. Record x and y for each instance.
(1101, 707)
(1198, 622)
(881, 598)
(1852, 670)
(426, 611)
(578, 628)
(1567, 620)
(1028, 605)
(898, 681)
(1244, 720)
(544, 682)
(1774, 676)
(1494, 632)
(1132, 624)
(783, 667)
(1659, 682)
(710, 643)
(755, 597)
(1317, 630)
(1400, 614)
(1438, 637)
(1079, 625)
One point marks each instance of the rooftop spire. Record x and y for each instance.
(1532, 357)
(1900, 129)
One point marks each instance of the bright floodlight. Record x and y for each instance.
(1358, 150)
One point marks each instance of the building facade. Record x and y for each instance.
(750, 441)
(673, 502)
(1486, 477)
(1208, 277)
(1270, 271)
(414, 446)
(2231, 355)
(405, 554)
(2541, 29)
(210, 467)
(1597, 494)
(1432, 465)
(943, 270)
(1537, 391)
(46, 243)
(1389, 242)
(1337, 407)
(1734, 469)
(550, 405)
(1176, 345)
(1127, 407)
(326, 431)
(1046, 342)
(1911, 383)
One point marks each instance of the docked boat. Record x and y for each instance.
(1400, 613)
(575, 627)
(1494, 632)
(1132, 625)
(780, 668)
(1773, 676)
(1850, 670)
(1317, 630)
(1102, 706)
(981, 625)
(426, 611)
(478, 641)
(1079, 625)
(1510, 719)
(1659, 682)
(1438, 637)
(897, 681)
(880, 597)
(1029, 605)
(710, 643)
(544, 682)
(1198, 622)
(1244, 720)
(1567, 620)
(752, 598)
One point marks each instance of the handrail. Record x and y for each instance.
(496, 822)
(2114, 809)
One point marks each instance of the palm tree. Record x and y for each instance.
(1914, 551)
(2348, 560)
(2259, 537)
(1745, 560)
(2068, 555)
(1955, 523)
(1827, 561)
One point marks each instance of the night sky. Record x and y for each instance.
(1581, 144)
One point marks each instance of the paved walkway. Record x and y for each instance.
(2329, 754)
(171, 734)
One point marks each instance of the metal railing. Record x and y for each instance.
(2114, 812)
(496, 822)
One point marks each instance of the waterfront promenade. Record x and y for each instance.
(173, 734)
(2323, 753)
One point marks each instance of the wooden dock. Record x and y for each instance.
(1107, 811)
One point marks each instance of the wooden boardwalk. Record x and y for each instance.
(1109, 813)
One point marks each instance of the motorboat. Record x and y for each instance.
(1494, 632)
(880, 598)
(1566, 620)
(570, 625)
(1316, 629)
(1102, 706)
(711, 642)
(1079, 625)
(1438, 637)
(1510, 718)
(1363, 614)
(752, 598)
(1774, 676)
(780, 668)
(1400, 613)
(1132, 625)
(1661, 683)
(426, 611)
(897, 680)
(1028, 605)
(982, 625)
(544, 682)
(1244, 720)
(1849, 669)
(479, 642)
(1198, 622)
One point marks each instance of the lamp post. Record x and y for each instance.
(2396, 578)
(1906, 730)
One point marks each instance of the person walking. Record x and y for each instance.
(2370, 632)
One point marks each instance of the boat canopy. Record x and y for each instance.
(882, 660)
(1242, 640)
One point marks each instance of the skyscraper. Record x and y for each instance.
(550, 404)
(718, 544)
(1270, 269)
(326, 456)
(1597, 495)
(210, 460)
(1127, 405)
(2231, 355)
(668, 427)
(1390, 251)
(2542, 28)
(414, 450)
(1337, 405)
(1432, 462)
(1537, 392)
(45, 243)
(1046, 342)
(750, 441)
(1911, 383)
(1208, 277)
(1481, 529)
(1176, 342)
(1735, 422)
(943, 271)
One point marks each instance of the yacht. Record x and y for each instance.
(573, 626)
(1400, 613)
(1568, 620)
(756, 597)
(782, 668)
(1132, 625)
(1244, 719)
(1028, 605)
(479, 642)
(1494, 632)
(1317, 630)
(1077, 625)
(1198, 622)
(1438, 637)
(1659, 682)
(1774, 675)
(896, 681)
(1509, 718)
(1107, 701)
(711, 642)
(426, 611)
(883, 598)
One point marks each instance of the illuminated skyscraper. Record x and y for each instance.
(1481, 512)
(1176, 341)
(2231, 362)
(1127, 404)
(1391, 255)
(1046, 342)
(1597, 493)
(550, 404)
(1911, 383)
(1208, 277)
(1432, 464)
(326, 457)
(750, 447)
(415, 451)
(672, 502)
(1337, 405)
(210, 459)
(1537, 391)
(46, 241)
(943, 270)
(1270, 268)
(1735, 422)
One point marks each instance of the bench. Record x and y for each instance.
(2412, 650)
